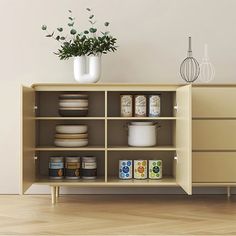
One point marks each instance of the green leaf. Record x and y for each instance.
(92, 22)
(44, 27)
(73, 32)
(71, 24)
(106, 24)
(50, 35)
(88, 9)
(62, 38)
(60, 29)
(93, 30)
(58, 38)
(70, 18)
(86, 32)
(91, 17)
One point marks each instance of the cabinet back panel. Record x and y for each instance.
(118, 133)
(114, 102)
(46, 131)
(43, 161)
(114, 157)
(48, 103)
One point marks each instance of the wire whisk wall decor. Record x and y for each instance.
(189, 68)
(207, 69)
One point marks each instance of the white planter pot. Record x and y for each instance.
(87, 69)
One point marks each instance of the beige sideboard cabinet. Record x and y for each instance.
(196, 140)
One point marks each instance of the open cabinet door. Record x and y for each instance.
(28, 138)
(184, 138)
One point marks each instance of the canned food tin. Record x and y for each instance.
(89, 167)
(140, 169)
(155, 169)
(56, 167)
(125, 169)
(126, 105)
(72, 167)
(154, 107)
(140, 108)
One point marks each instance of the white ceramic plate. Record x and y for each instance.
(71, 129)
(71, 142)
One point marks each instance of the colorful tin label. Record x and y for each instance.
(140, 106)
(126, 105)
(155, 169)
(154, 105)
(56, 168)
(125, 169)
(89, 167)
(72, 168)
(140, 169)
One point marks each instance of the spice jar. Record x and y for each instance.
(89, 167)
(56, 167)
(140, 106)
(140, 169)
(125, 169)
(126, 105)
(155, 169)
(154, 105)
(72, 167)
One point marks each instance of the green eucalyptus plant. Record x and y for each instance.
(86, 42)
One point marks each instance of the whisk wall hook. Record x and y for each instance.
(189, 68)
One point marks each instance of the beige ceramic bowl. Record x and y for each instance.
(71, 129)
(73, 103)
(71, 142)
(71, 136)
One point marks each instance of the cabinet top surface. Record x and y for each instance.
(116, 86)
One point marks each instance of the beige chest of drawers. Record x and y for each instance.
(188, 113)
(214, 135)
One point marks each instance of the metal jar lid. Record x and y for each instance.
(89, 159)
(57, 159)
(72, 159)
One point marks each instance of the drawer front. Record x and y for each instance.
(214, 102)
(214, 134)
(215, 167)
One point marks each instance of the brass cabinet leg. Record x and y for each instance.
(228, 191)
(57, 191)
(53, 194)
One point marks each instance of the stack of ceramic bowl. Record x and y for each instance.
(71, 136)
(73, 104)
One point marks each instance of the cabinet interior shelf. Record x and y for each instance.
(100, 148)
(127, 148)
(68, 118)
(103, 118)
(54, 148)
(112, 182)
(142, 118)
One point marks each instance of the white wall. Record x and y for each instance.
(152, 36)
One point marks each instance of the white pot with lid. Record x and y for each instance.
(142, 134)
